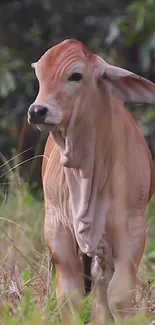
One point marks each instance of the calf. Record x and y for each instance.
(97, 176)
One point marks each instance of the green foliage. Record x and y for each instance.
(8, 66)
(138, 29)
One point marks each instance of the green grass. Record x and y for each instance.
(23, 263)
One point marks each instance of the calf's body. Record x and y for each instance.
(97, 177)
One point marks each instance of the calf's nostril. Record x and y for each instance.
(41, 111)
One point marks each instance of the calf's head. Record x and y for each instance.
(64, 74)
(71, 79)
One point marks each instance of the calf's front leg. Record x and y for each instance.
(69, 271)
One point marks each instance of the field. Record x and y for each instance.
(23, 263)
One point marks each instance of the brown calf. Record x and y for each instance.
(97, 176)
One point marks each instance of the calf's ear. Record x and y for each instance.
(128, 86)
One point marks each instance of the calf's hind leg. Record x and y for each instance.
(69, 272)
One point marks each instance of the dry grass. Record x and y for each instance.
(23, 263)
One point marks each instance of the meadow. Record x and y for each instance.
(24, 262)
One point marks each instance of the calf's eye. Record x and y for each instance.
(75, 77)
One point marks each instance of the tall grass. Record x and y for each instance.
(23, 262)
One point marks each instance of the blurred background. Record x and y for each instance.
(121, 31)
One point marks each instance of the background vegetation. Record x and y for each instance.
(121, 31)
